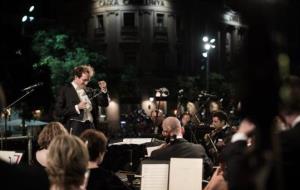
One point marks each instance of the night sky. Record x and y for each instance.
(17, 57)
(16, 54)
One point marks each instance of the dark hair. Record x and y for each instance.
(96, 142)
(221, 115)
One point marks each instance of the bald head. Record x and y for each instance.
(171, 126)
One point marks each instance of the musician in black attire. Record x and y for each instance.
(77, 105)
(177, 147)
(219, 137)
(188, 128)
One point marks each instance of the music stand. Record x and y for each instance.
(5, 112)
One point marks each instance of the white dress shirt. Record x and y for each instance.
(83, 97)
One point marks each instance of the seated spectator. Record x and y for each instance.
(50, 131)
(22, 177)
(99, 178)
(67, 164)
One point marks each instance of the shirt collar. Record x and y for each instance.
(225, 126)
(75, 86)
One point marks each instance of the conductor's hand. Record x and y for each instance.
(102, 86)
(82, 105)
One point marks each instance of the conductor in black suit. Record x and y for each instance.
(177, 147)
(77, 105)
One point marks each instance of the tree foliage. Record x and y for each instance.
(61, 53)
(130, 82)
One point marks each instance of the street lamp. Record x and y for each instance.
(208, 45)
(31, 8)
(27, 18)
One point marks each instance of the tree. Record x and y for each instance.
(61, 53)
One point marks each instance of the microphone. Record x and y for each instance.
(33, 86)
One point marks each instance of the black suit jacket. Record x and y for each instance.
(239, 172)
(105, 180)
(23, 177)
(290, 156)
(181, 148)
(66, 100)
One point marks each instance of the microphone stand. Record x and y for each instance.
(156, 115)
(4, 110)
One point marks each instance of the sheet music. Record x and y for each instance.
(155, 176)
(152, 148)
(17, 157)
(11, 157)
(185, 173)
(136, 141)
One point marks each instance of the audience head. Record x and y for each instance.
(96, 144)
(171, 126)
(67, 162)
(219, 119)
(50, 131)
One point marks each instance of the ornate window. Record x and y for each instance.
(129, 19)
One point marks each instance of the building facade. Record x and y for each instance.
(141, 33)
(163, 36)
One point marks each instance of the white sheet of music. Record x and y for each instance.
(185, 173)
(155, 176)
(137, 140)
(152, 148)
(11, 157)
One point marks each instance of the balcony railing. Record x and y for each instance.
(129, 33)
